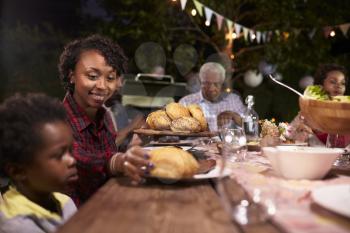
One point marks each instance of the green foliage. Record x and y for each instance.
(29, 59)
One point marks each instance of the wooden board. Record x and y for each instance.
(151, 132)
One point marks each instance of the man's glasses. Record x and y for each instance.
(208, 84)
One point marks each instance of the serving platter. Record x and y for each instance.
(151, 132)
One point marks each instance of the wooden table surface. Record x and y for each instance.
(155, 207)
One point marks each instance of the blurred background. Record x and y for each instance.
(251, 38)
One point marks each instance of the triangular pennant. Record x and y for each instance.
(312, 33)
(252, 35)
(258, 36)
(219, 19)
(229, 24)
(238, 28)
(199, 7)
(269, 36)
(327, 30)
(183, 4)
(245, 33)
(296, 31)
(208, 14)
(263, 37)
(344, 28)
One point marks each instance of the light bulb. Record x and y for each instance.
(193, 12)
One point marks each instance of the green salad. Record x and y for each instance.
(318, 93)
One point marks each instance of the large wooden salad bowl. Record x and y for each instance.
(326, 116)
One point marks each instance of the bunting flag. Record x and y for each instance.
(219, 19)
(183, 4)
(229, 24)
(263, 37)
(238, 28)
(327, 30)
(312, 33)
(251, 35)
(245, 33)
(296, 32)
(344, 28)
(208, 14)
(260, 36)
(199, 7)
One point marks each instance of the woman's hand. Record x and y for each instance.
(136, 163)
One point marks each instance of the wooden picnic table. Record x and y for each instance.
(192, 206)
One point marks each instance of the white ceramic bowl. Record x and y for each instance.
(300, 162)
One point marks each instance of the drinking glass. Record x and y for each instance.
(234, 144)
(243, 210)
(336, 141)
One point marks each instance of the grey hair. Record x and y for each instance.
(212, 67)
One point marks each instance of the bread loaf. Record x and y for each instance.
(173, 163)
(185, 124)
(158, 120)
(197, 113)
(176, 110)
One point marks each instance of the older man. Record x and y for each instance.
(216, 104)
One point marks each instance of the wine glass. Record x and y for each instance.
(337, 141)
(234, 144)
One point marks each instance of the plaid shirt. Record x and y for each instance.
(93, 146)
(227, 102)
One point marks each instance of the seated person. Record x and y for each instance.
(35, 156)
(124, 125)
(212, 97)
(333, 79)
(91, 70)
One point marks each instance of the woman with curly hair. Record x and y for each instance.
(90, 70)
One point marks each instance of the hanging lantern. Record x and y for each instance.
(253, 78)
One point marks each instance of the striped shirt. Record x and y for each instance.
(227, 102)
(93, 146)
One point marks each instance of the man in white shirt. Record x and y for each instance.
(212, 99)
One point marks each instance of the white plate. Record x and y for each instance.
(215, 173)
(334, 197)
(294, 144)
(155, 147)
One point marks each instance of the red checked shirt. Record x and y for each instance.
(93, 146)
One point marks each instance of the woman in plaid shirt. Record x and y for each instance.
(90, 70)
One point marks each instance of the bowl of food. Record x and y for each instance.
(301, 162)
(325, 113)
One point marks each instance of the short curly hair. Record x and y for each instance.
(110, 50)
(324, 69)
(21, 118)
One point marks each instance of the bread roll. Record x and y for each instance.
(158, 120)
(197, 113)
(173, 163)
(176, 110)
(185, 124)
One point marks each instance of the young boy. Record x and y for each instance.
(35, 156)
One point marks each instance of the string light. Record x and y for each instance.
(332, 34)
(234, 35)
(207, 23)
(193, 12)
(253, 36)
(173, 0)
(232, 56)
